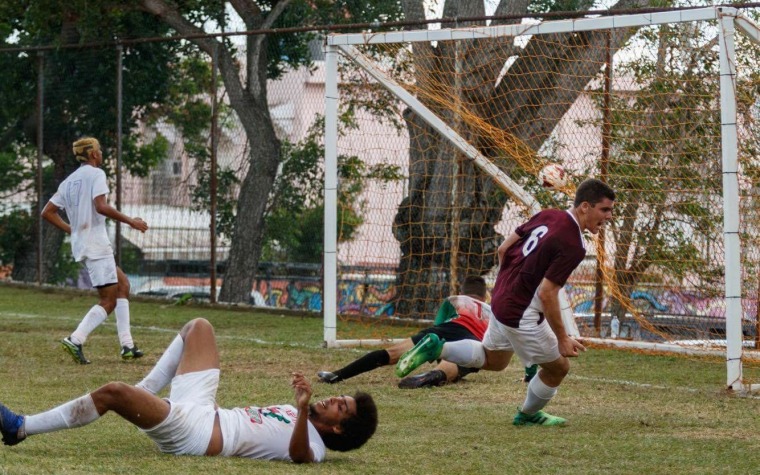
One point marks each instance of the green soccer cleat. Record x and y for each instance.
(530, 372)
(425, 351)
(74, 350)
(540, 418)
(128, 353)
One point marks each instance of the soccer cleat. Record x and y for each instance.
(540, 418)
(74, 350)
(328, 377)
(425, 351)
(130, 353)
(530, 372)
(10, 423)
(429, 379)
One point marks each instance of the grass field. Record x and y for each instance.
(628, 412)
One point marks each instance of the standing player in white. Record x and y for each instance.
(83, 196)
(535, 261)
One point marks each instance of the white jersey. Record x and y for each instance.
(264, 433)
(89, 239)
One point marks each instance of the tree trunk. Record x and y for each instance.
(245, 249)
(247, 239)
(529, 101)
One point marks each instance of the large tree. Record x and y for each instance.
(529, 100)
(245, 83)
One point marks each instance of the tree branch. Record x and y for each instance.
(227, 65)
(256, 70)
(249, 12)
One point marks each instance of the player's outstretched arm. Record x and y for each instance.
(102, 207)
(549, 295)
(50, 214)
(299, 449)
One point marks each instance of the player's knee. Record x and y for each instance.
(557, 371)
(123, 282)
(197, 325)
(111, 394)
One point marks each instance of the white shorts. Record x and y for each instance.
(533, 342)
(102, 271)
(188, 427)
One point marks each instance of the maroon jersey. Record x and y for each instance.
(550, 246)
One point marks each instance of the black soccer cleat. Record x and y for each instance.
(328, 377)
(530, 373)
(74, 350)
(432, 378)
(131, 353)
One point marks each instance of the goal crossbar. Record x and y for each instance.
(555, 26)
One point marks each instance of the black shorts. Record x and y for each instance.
(449, 331)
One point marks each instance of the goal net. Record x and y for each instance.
(663, 106)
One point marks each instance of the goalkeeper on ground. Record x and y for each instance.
(460, 317)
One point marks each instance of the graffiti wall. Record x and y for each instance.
(373, 296)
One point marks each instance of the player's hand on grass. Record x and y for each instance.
(302, 390)
(569, 347)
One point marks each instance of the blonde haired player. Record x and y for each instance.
(82, 195)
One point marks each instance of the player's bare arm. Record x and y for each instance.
(102, 207)
(50, 214)
(299, 449)
(549, 295)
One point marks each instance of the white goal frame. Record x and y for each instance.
(728, 19)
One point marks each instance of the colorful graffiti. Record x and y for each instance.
(369, 296)
(670, 301)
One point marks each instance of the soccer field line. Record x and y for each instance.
(622, 382)
(153, 328)
(158, 329)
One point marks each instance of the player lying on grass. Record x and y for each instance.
(189, 422)
(460, 317)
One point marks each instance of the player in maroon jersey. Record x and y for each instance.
(535, 261)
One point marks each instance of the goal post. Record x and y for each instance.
(659, 125)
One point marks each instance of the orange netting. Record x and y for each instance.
(637, 108)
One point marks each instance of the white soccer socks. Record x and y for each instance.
(76, 413)
(165, 368)
(539, 395)
(90, 322)
(122, 323)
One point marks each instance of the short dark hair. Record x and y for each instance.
(474, 285)
(593, 191)
(355, 430)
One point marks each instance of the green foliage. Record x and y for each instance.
(141, 159)
(227, 182)
(666, 155)
(15, 229)
(64, 269)
(16, 172)
(296, 209)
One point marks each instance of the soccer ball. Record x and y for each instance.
(552, 176)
